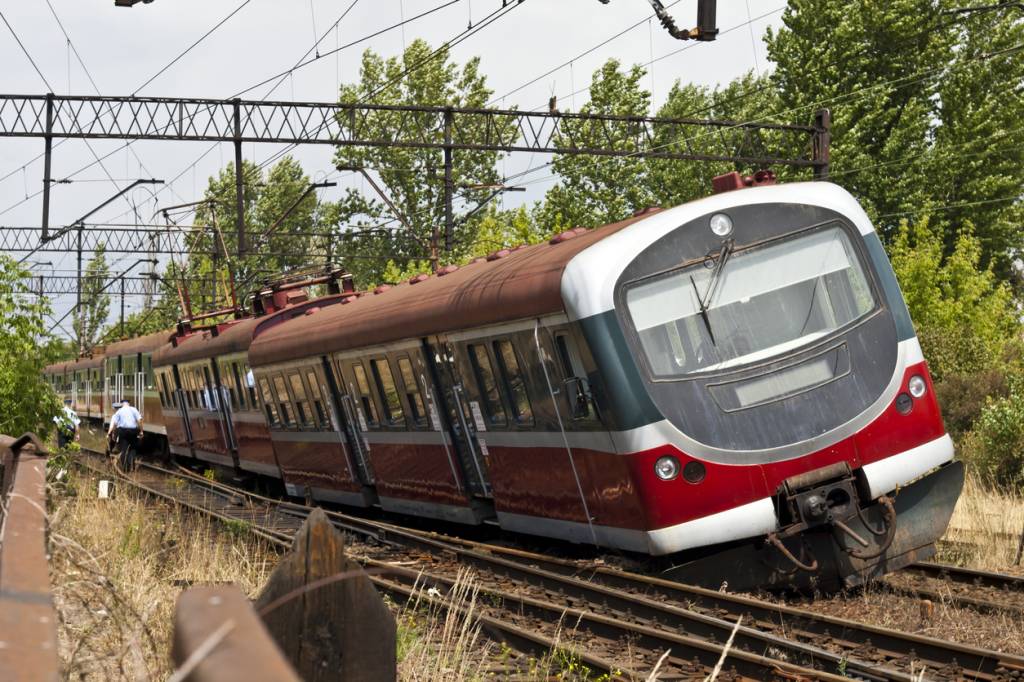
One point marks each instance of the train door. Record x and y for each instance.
(88, 392)
(182, 405)
(222, 402)
(458, 416)
(339, 405)
(353, 421)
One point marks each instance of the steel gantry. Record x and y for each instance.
(447, 129)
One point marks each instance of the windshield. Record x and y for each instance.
(766, 301)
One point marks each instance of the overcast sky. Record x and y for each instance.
(123, 48)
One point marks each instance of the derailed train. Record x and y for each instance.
(737, 376)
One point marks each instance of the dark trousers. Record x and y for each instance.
(128, 440)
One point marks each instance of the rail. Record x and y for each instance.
(609, 604)
(28, 623)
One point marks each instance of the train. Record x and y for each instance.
(731, 389)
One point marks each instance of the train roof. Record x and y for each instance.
(74, 365)
(234, 336)
(507, 285)
(139, 344)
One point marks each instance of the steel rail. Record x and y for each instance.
(847, 635)
(625, 616)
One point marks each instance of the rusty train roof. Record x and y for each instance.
(74, 365)
(235, 337)
(139, 344)
(520, 283)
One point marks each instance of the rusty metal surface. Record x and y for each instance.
(218, 636)
(140, 344)
(522, 283)
(28, 630)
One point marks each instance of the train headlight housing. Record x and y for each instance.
(721, 224)
(917, 386)
(666, 468)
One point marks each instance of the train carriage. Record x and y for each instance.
(740, 369)
(208, 394)
(128, 373)
(736, 376)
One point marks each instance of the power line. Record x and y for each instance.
(578, 57)
(25, 50)
(192, 46)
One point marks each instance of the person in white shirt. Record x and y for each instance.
(128, 423)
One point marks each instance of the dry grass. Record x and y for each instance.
(117, 568)
(985, 530)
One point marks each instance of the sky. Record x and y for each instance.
(124, 48)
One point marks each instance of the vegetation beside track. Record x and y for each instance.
(119, 564)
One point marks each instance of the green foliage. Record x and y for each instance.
(412, 178)
(594, 190)
(922, 109)
(996, 446)
(966, 319)
(283, 222)
(92, 314)
(27, 403)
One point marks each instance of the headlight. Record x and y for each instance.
(917, 386)
(721, 224)
(666, 468)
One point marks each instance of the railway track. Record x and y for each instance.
(981, 591)
(629, 620)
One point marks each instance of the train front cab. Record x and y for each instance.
(763, 369)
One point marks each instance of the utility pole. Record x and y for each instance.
(239, 182)
(122, 307)
(449, 218)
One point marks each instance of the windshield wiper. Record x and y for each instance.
(703, 311)
(705, 301)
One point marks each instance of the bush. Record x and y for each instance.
(995, 448)
(963, 397)
(966, 319)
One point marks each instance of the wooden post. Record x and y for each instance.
(324, 612)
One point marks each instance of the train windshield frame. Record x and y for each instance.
(766, 300)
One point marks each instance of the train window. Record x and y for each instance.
(283, 402)
(236, 381)
(304, 413)
(512, 381)
(369, 411)
(212, 398)
(147, 368)
(160, 391)
(172, 387)
(317, 397)
(412, 391)
(250, 384)
(385, 381)
(488, 387)
(576, 388)
(227, 383)
(268, 404)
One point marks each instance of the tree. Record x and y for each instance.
(926, 109)
(594, 190)
(26, 402)
(965, 317)
(412, 178)
(95, 308)
(745, 98)
(282, 224)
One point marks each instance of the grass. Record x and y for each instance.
(119, 564)
(986, 527)
(117, 568)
